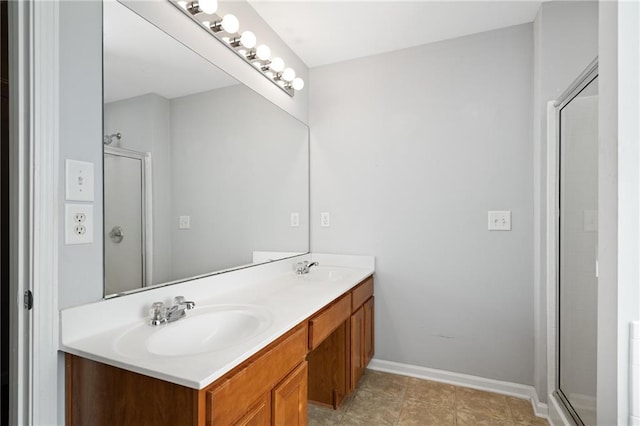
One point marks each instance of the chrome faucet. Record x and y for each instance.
(303, 267)
(161, 314)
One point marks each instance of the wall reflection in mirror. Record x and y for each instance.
(201, 173)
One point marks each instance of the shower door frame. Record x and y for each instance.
(557, 402)
(147, 212)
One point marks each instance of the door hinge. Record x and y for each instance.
(28, 300)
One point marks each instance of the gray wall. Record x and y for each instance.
(240, 167)
(80, 94)
(410, 150)
(565, 42)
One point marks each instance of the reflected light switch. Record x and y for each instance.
(185, 222)
(500, 220)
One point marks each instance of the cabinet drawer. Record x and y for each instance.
(230, 400)
(323, 324)
(362, 293)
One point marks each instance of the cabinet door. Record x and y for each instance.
(259, 414)
(368, 331)
(357, 330)
(290, 399)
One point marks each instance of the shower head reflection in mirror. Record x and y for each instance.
(224, 184)
(108, 139)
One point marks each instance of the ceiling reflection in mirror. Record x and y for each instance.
(201, 174)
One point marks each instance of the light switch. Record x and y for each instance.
(79, 180)
(184, 222)
(295, 219)
(500, 220)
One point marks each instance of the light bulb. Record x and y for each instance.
(183, 4)
(230, 23)
(297, 83)
(206, 24)
(208, 6)
(263, 52)
(277, 64)
(288, 74)
(248, 39)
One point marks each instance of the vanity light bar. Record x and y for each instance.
(226, 29)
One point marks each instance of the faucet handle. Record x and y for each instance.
(158, 313)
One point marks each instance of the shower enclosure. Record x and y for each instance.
(577, 243)
(127, 220)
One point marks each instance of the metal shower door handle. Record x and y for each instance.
(116, 234)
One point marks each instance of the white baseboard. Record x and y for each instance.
(465, 380)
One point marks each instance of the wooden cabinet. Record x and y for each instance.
(259, 414)
(290, 399)
(338, 360)
(99, 394)
(362, 331)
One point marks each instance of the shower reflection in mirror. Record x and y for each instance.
(577, 243)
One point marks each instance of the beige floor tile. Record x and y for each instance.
(477, 417)
(472, 399)
(431, 392)
(386, 383)
(370, 408)
(421, 413)
(322, 416)
(522, 412)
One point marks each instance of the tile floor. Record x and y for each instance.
(389, 399)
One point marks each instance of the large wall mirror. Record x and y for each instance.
(201, 174)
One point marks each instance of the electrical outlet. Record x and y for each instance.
(78, 224)
(325, 219)
(295, 219)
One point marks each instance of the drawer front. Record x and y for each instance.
(229, 401)
(323, 324)
(362, 293)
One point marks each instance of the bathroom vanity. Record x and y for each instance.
(317, 340)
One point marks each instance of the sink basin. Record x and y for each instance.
(204, 329)
(326, 274)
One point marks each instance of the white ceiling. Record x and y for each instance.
(140, 59)
(323, 32)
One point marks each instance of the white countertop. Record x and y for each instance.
(90, 331)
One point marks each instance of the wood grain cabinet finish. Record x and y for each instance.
(259, 414)
(229, 400)
(324, 323)
(290, 399)
(339, 360)
(362, 330)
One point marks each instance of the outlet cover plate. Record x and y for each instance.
(78, 224)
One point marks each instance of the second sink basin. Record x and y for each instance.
(205, 329)
(327, 274)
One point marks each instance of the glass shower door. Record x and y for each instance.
(577, 259)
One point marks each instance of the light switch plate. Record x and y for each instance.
(295, 219)
(184, 222)
(500, 220)
(325, 219)
(78, 224)
(79, 180)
